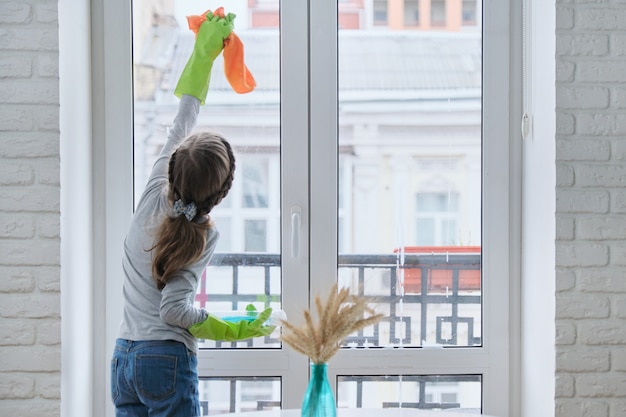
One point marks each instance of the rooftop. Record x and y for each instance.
(373, 65)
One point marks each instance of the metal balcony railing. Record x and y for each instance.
(432, 287)
(435, 290)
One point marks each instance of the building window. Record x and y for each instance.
(469, 12)
(411, 13)
(255, 182)
(255, 236)
(380, 13)
(438, 13)
(436, 219)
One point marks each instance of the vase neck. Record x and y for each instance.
(318, 368)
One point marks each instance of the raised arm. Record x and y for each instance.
(184, 122)
(193, 84)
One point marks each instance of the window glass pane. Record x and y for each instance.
(255, 176)
(438, 12)
(448, 228)
(225, 227)
(470, 12)
(436, 221)
(427, 392)
(255, 235)
(437, 202)
(380, 12)
(409, 225)
(249, 217)
(238, 394)
(425, 232)
(411, 12)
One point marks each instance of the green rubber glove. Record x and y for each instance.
(195, 78)
(215, 328)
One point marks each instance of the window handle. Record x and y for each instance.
(295, 231)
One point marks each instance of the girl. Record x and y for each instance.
(169, 243)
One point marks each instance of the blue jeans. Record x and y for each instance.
(154, 378)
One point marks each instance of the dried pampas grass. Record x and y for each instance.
(342, 315)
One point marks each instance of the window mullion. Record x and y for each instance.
(295, 217)
(500, 183)
(323, 145)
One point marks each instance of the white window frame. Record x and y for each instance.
(492, 360)
(107, 104)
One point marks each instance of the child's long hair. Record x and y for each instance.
(200, 173)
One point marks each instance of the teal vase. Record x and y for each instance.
(319, 400)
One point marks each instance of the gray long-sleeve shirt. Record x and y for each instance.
(150, 314)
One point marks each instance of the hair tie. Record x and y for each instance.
(188, 210)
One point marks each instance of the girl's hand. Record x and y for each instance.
(211, 30)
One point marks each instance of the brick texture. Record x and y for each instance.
(30, 323)
(591, 202)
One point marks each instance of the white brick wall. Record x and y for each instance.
(30, 334)
(591, 202)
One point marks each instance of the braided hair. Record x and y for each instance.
(201, 173)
